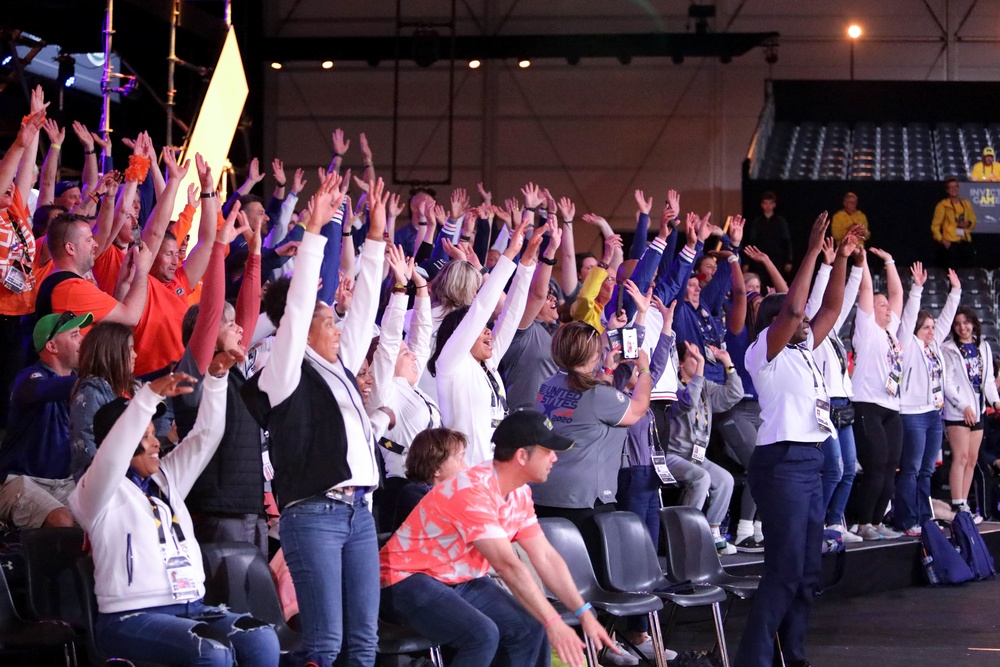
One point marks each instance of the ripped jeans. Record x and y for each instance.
(191, 633)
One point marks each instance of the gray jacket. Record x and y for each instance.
(691, 415)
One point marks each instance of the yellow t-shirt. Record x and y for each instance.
(981, 172)
(842, 222)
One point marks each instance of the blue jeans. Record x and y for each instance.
(639, 492)
(786, 482)
(840, 457)
(332, 554)
(480, 621)
(922, 436)
(191, 634)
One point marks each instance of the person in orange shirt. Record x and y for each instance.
(17, 246)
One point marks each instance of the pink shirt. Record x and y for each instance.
(436, 539)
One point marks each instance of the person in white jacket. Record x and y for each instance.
(397, 367)
(921, 401)
(839, 451)
(149, 578)
(968, 390)
(470, 390)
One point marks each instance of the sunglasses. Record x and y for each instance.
(63, 320)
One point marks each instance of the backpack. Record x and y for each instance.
(971, 546)
(942, 563)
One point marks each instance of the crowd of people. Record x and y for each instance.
(308, 376)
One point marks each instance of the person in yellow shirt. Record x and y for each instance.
(954, 220)
(987, 169)
(847, 217)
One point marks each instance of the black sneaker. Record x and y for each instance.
(749, 545)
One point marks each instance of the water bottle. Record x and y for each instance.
(928, 563)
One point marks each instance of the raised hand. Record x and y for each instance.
(666, 217)
(531, 252)
(594, 219)
(169, 385)
(721, 356)
(881, 254)
(470, 255)
(691, 229)
(459, 203)
(344, 294)
(618, 320)
(486, 196)
(255, 174)
(326, 200)
(83, 134)
(192, 195)
(516, 240)
(396, 259)
(828, 252)
(667, 312)
(453, 251)
(37, 102)
(56, 134)
(278, 171)
(611, 243)
(641, 300)
(756, 254)
(174, 171)
(366, 150)
(919, 273)
(674, 202)
(395, 206)
(645, 205)
(298, 182)
(340, 145)
(705, 228)
(236, 223)
(502, 214)
(851, 242)
(567, 209)
(953, 280)
(100, 142)
(736, 226)
(204, 173)
(377, 198)
(818, 232)
(532, 195)
(223, 361)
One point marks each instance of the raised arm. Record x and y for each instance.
(792, 311)
(197, 259)
(908, 322)
(822, 323)
(50, 167)
(26, 168)
(513, 307)
(893, 284)
(391, 334)
(106, 213)
(539, 291)
(159, 218)
(942, 325)
(89, 177)
(828, 255)
(567, 271)
(26, 137)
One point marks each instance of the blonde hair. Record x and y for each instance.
(455, 286)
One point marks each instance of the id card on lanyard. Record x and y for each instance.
(700, 431)
(498, 398)
(822, 408)
(659, 459)
(180, 572)
(895, 360)
(934, 372)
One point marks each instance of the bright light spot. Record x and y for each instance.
(327, 64)
(275, 65)
(474, 64)
(6, 61)
(854, 31)
(524, 64)
(70, 81)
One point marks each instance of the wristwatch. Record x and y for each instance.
(208, 195)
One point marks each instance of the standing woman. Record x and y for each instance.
(322, 445)
(784, 473)
(878, 372)
(968, 390)
(924, 373)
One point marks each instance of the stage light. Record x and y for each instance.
(854, 31)
(327, 64)
(474, 64)
(524, 64)
(275, 65)
(67, 69)
(6, 61)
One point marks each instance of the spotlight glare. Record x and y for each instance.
(854, 31)
(70, 81)
(524, 64)
(474, 64)
(327, 64)
(275, 65)
(6, 61)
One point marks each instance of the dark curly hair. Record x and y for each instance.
(977, 327)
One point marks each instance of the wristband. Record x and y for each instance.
(602, 265)
(531, 208)
(349, 232)
(731, 369)
(607, 370)
(208, 195)
(550, 622)
(90, 152)
(734, 259)
(337, 155)
(586, 607)
(57, 146)
(399, 289)
(422, 223)
(891, 261)
(483, 271)
(546, 260)
(644, 370)
(463, 237)
(280, 184)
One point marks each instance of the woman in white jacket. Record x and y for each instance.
(397, 368)
(150, 582)
(921, 401)
(470, 389)
(968, 390)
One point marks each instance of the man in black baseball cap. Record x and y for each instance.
(433, 569)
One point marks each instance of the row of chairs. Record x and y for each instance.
(61, 602)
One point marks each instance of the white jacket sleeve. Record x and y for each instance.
(284, 367)
(185, 463)
(280, 229)
(909, 320)
(419, 339)
(850, 296)
(356, 334)
(513, 308)
(989, 383)
(464, 337)
(818, 290)
(384, 362)
(942, 325)
(97, 487)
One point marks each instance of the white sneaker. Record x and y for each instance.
(869, 533)
(887, 532)
(645, 649)
(725, 548)
(845, 535)
(623, 659)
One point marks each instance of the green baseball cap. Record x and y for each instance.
(49, 326)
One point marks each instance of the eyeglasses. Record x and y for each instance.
(63, 320)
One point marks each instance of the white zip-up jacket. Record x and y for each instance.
(129, 570)
(917, 397)
(958, 391)
(838, 384)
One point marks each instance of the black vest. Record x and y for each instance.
(307, 434)
(233, 480)
(43, 299)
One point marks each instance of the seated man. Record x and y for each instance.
(434, 568)
(35, 456)
(986, 169)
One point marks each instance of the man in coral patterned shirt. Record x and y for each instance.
(434, 568)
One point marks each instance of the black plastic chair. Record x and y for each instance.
(237, 575)
(50, 556)
(631, 564)
(399, 639)
(20, 637)
(567, 541)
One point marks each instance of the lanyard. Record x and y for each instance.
(819, 385)
(434, 420)
(895, 355)
(973, 366)
(933, 364)
(654, 433)
(175, 526)
(840, 350)
(706, 326)
(498, 397)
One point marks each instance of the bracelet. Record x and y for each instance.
(56, 146)
(734, 259)
(891, 261)
(546, 260)
(208, 195)
(422, 223)
(347, 233)
(337, 155)
(90, 152)
(280, 184)
(644, 370)
(731, 369)
(550, 622)
(463, 237)
(483, 271)
(368, 163)
(399, 289)
(607, 370)
(531, 208)
(602, 265)
(586, 607)
(138, 168)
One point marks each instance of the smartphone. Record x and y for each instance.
(615, 343)
(630, 343)
(619, 307)
(136, 235)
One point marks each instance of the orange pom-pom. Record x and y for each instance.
(138, 167)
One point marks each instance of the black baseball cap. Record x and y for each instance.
(526, 428)
(109, 413)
